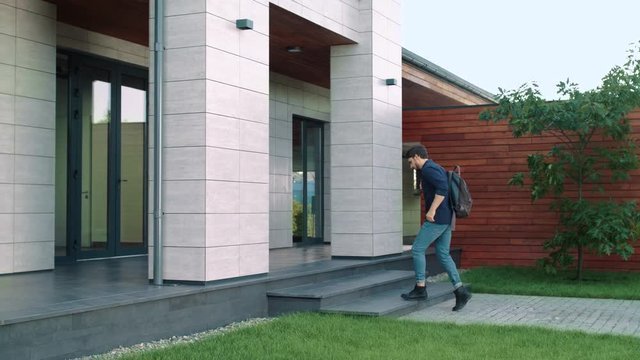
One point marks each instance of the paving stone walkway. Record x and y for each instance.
(619, 317)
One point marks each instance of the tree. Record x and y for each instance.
(594, 143)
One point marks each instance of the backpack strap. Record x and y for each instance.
(450, 183)
(458, 170)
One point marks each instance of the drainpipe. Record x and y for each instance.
(158, 64)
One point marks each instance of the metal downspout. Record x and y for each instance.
(158, 65)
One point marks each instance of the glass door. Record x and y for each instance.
(307, 179)
(104, 203)
(95, 119)
(132, 156)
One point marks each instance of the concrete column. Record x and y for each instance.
(366, 136)
(27, 135)
(216, 169)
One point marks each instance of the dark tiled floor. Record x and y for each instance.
(280, 259)
(100, 283)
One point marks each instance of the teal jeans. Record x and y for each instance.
(441, 235)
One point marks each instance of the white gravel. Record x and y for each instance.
(174, 340)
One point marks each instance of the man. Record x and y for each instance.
(437, 228)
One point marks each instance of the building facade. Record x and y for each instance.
(287, 132)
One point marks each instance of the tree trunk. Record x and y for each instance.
(580, 260)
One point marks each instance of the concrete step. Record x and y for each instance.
(314, 296)
(342, 267)
(389, 302)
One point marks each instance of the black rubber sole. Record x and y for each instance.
(406, 297)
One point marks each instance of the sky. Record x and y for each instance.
(505, 43)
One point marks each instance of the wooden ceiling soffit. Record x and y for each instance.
(443, 87)
(122, 19)
(418, 96)
(312, 64)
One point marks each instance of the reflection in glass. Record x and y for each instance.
(133, 122)
(307, 192)
(96, 116)
(314, 190)
(298, 182)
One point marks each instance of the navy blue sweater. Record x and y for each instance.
(435, 181)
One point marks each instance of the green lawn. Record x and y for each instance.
(533, 281)
(316, 336)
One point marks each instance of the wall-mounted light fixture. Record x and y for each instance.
(391, 81)
(294, 49)
(244, 24)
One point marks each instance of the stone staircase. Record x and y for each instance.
(369, 293)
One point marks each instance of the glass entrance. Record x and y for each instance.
(133, 127)
(95, 95)
(102, 108)
(307, 178)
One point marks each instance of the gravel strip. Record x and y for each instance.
(174, 340)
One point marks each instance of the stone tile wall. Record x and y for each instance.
(289, 97)
(216, 166)
(27, 135)
(366, 132)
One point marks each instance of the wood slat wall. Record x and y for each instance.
(505, 227)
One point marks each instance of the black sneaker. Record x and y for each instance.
(418, 293)
(462, 297)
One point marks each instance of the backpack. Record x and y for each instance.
(459, 195)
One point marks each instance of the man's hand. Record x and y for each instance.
(437, 200)
(430, 216)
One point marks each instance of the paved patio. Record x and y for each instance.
(102, 283)
(602, 316)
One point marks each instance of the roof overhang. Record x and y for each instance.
(428, 85)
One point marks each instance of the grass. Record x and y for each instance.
(534, 281)
(316, 336)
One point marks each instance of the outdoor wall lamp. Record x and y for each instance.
(391, 81)
(244, 24)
